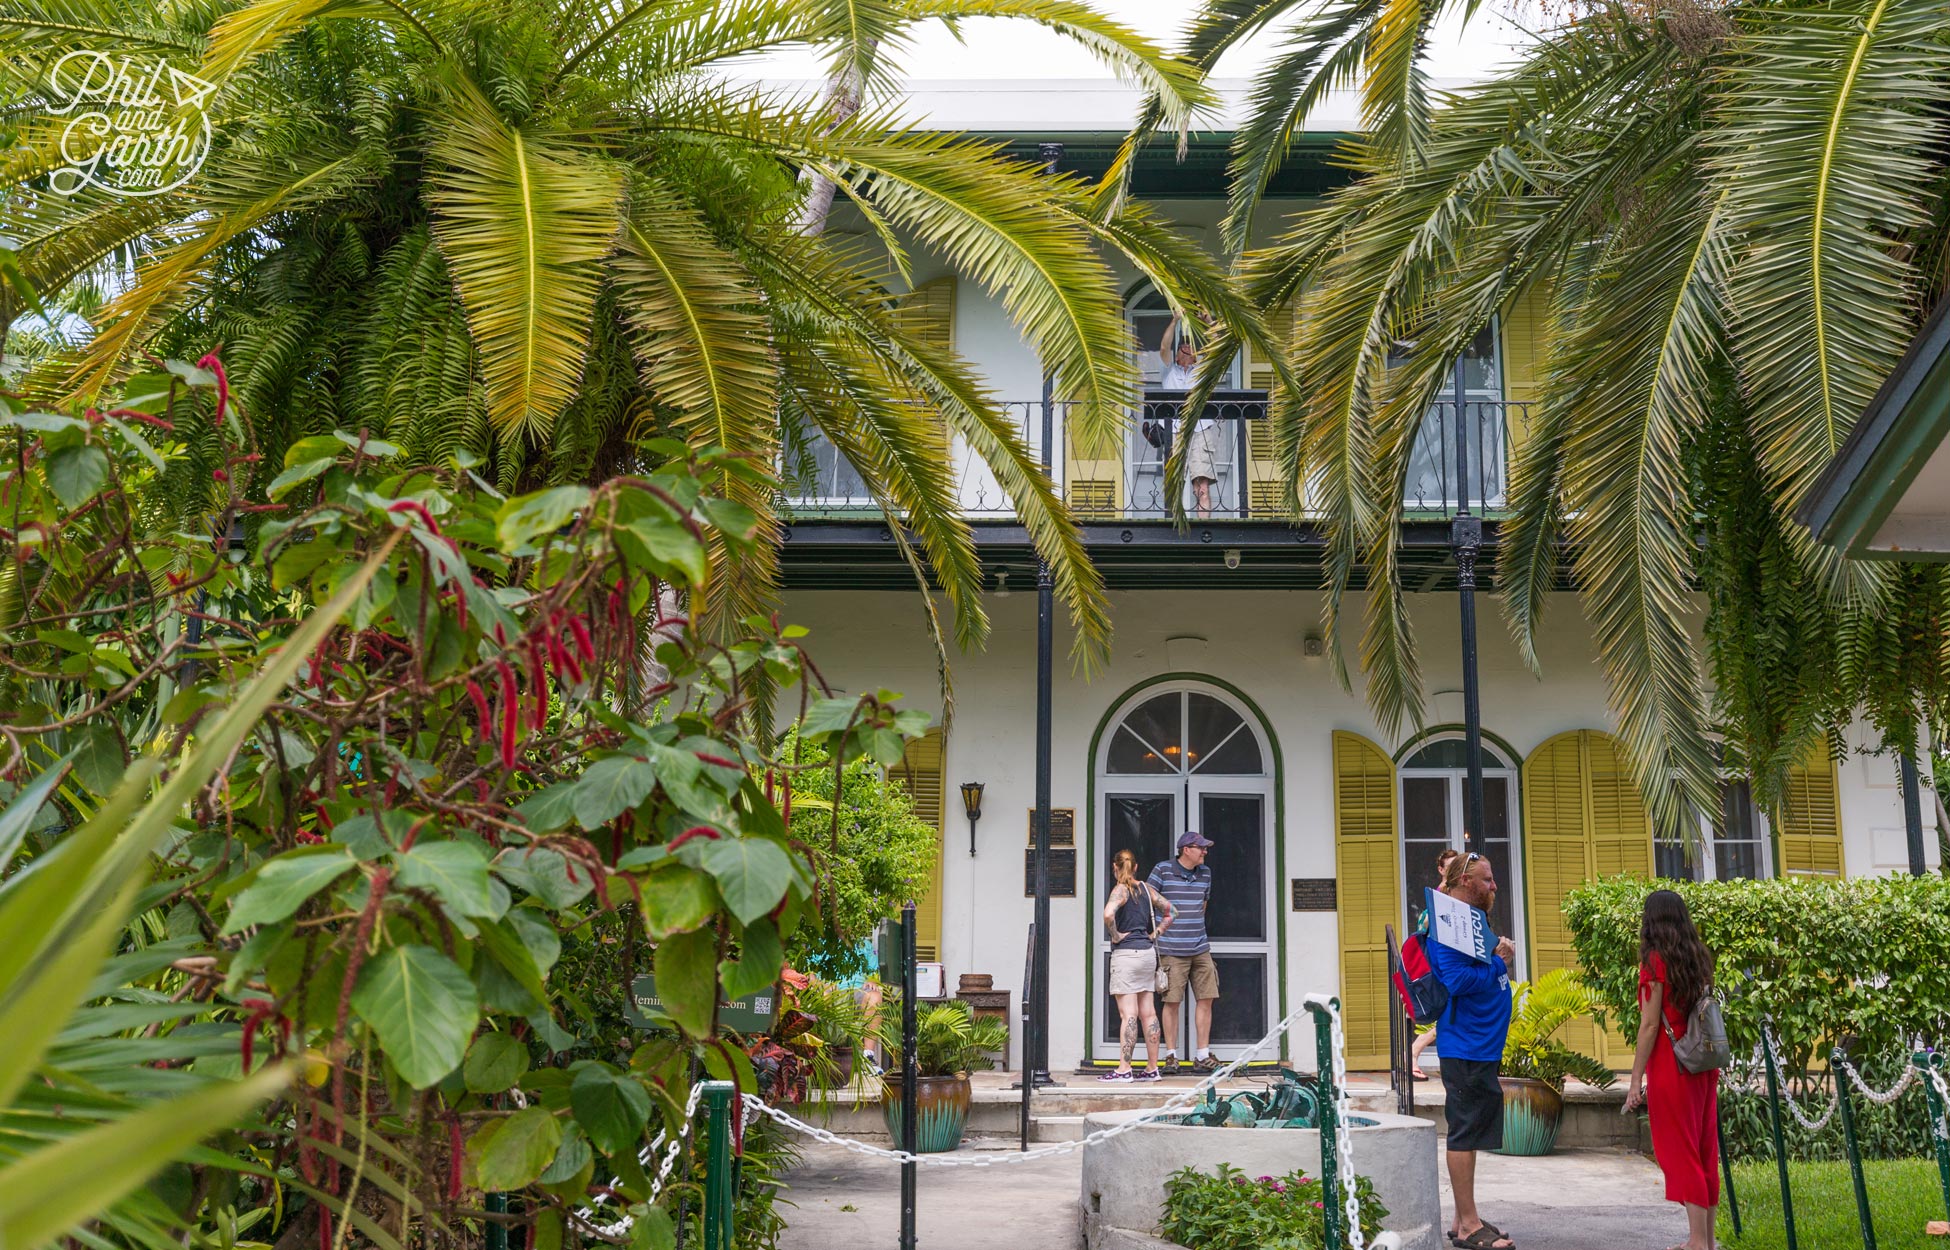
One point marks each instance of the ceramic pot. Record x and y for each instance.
(842, 1057)
(1532, 1111)
(941, 1110)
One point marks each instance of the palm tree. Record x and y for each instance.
(545, 232)
(1738, 217)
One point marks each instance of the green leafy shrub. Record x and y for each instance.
(1828, 960)
(454, 827)
(877, 854)
(1532, 1050)
(1227, 1210)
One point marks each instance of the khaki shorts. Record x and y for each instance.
(1198, 969)
(1202, 456)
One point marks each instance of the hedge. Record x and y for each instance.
(1867, 958)
(1864, 962)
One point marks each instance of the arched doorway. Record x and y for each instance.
(1187, 755)
(1433, 777)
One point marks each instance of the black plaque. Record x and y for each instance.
(1062, 826)
(1313, 894)
(1062, 872)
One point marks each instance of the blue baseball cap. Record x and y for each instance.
(1192, 839)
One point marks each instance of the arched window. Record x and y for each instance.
(1434, 816)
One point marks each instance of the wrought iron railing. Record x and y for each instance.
(1121, 476)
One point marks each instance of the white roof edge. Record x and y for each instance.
(1033, 107)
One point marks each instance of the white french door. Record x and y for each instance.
(1146, 815)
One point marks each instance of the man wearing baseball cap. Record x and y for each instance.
(1184, 950)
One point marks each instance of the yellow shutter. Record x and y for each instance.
(1367, 852)
(1582, 819)
(920, 775)
(1094, 475)
(1265, 495)
(928, 312)
(1524, 325)
(1810, 821)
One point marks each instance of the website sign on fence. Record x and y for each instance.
(134, 126)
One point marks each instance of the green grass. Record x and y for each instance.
(1903, 1195)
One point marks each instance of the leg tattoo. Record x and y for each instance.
(1127, 1039)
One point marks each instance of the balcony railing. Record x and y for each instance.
(1122, 476)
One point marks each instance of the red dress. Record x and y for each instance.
(1684, 1107)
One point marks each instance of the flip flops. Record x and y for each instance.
(1484, 1238)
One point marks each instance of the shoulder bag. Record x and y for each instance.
(1163, 978)
(1704, 1048)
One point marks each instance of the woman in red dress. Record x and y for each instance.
(1675, 969)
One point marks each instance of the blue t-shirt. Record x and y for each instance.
(1477, 1019)
(1188, 891)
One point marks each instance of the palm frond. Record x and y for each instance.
(523, 219)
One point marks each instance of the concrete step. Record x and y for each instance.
(1056, 1128)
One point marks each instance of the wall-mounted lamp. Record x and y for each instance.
(971, 801)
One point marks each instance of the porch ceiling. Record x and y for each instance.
(1133, 555)
(1310, 169)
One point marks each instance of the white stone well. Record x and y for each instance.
(1124, 1177)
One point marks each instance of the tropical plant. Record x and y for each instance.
(879, 854)
(381, 867)
(1227, 1210)
(541, 231)
(838, 1017)
(1728, 220)
(1532, 1050)
(949, 1038)
(69, 1015)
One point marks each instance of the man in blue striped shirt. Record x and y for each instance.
(1184, 950)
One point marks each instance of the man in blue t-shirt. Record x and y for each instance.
(1471, 1034)
(1185, 949)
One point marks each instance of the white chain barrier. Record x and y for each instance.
(1172, 1106)
(1794, 1108)
(1940, 1125)
(621, 1228)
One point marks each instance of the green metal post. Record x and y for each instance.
(1780, 1143)
(497, 1232)
(1836, 1062)
(1930, 1062)
(1330, 1146)
(718, 1192)
(1726, 1169)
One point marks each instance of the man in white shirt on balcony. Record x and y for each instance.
(1202, 456)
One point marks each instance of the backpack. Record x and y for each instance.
(1424, 997)
(1704, 1048)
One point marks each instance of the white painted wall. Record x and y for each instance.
(1253, 640)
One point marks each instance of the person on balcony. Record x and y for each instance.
(1180, 357)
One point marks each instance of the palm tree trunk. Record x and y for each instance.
(843, 91)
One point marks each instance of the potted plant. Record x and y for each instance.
(1535, 1062)
(840, 1024)
(950, 1042)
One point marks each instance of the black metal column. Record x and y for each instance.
(1913, 815)
(910, 1084)
(1036, 1055)
(1466, 537)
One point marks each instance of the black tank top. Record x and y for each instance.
(1135, 919)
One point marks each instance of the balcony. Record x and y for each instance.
(1122, 477)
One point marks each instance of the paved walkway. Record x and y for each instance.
(1579, 1200)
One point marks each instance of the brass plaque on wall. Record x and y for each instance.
(1062, 826)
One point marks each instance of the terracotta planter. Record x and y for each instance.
(940, 1106)
(1532, 1111)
